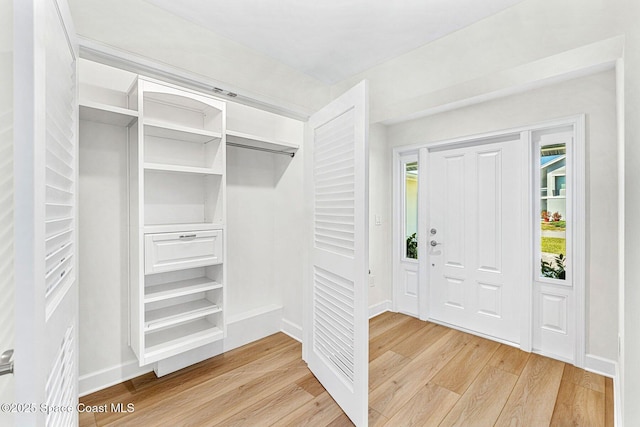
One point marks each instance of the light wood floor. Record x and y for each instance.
(420, 374)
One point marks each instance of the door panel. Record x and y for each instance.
(336, 329)
(45, 177)
(6, 204)
(476, 263)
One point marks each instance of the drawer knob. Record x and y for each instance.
(188, 236)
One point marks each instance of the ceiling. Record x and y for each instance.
(333, 39)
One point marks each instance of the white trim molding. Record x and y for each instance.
(600, 365)
(292, 329)
(379, 308)
(242, 329)
(99, 380)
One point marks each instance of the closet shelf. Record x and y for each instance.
(179, 313)
(176, 132)
(171, 228)
(180, 288)
(254, 142)
(180, 169)
(108, 114)
(169, 342)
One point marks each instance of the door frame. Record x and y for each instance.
(578, 233)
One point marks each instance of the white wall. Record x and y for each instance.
(290, 229)
(380, 248)
(251, 261)
(529, 41)
(595, 96)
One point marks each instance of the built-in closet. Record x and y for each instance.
(190, 211)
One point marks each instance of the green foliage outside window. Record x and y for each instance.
(412, 246)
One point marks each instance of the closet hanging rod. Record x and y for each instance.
(268, 150)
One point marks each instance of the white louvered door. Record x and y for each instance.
(336, 330)
(45, 176)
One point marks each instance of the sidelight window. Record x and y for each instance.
(554, 191)
(411, 209)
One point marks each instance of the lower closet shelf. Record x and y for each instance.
(179, 313)
(179, 288)
(186, 336)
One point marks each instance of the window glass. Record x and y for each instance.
(553, 211)
(411, 210)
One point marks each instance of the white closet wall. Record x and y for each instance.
(103, 247)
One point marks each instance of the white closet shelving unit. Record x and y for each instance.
(177, 217)
(160, 195)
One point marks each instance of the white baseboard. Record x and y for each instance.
(242, 329)
(104, 378)
(292, 329)
(600, 365)
(379, 308)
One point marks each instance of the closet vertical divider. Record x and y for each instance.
(177, 169)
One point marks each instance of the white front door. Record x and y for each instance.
(45, 242)
(336, 326)
(477, 260)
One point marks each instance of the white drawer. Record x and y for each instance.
(177, 251)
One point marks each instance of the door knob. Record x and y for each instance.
(6, 362)
(433, 243)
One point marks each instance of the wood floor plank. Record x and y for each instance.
(208, 406)
(578, 406)
(383, 322)
(311, 385)
(318, 412)
(583, 378)
(428, 407)
(509, 359)
(110, 394)
(384, 367)
(418, 342)
(609, 418)
(483, 401)
(388, 339)
(212, 412)
(270, 409)
(86, 419)
(461, 370)
(376, 419)
(152, 401)
(341, 421)
(394, 393)
(533, 398)
(220, 364)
